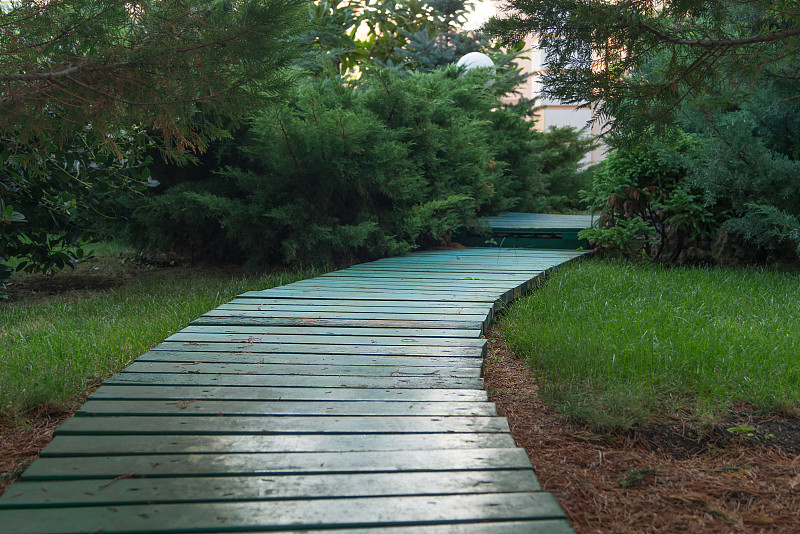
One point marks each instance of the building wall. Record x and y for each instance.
(554, 113)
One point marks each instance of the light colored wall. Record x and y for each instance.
(553, 112)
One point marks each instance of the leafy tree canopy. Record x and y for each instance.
(597, 52)
(85, 84)
(421, 35)
(102, 65)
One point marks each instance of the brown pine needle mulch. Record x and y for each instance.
(21, 446)
(648, 481)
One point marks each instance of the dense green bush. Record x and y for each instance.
(353, 170)
(53, 198)
(750, 160)
(646, 204)
(727, 186)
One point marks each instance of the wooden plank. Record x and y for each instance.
(189, 407)
(308, 359)
(412, 312)
(361, 382)
(422, 283)
(384, 274)
(256, 368)
(107, 467)
(127, 445)
(547, 526)
(228, 392)
(285, 348)
(204, 425)
(334, 331)
(371, 295)
(253, 308)
(400, 294)
(283, 514)
(362, 306)
(488, 253)
(257, 488)
(222, 320)
(519, 259)
(465, 285)
(532, 221)
(316, 339)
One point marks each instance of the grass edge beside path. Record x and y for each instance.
(53, 349)
(615, 344)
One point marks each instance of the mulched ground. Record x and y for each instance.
(676, 481)
(20, 446)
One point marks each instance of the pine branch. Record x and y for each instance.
(84, 66)
(716, 43)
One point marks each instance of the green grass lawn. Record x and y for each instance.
(615, 344)
(52, 349)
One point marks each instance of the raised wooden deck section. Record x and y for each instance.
(352, 402)
(531, 230)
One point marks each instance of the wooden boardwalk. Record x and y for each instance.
(352, 402)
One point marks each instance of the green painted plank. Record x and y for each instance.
(404, 281)
(331, 308)
(478, 272)
(253, 310)
(465, 285)
(334, 331)
(106, 467)
(285, 424)
(345, 305)
(370, 295)
(379, 382)
(267, 369)
(538, 220)
(283, 514)
(548, 526)
(441, 294)
(308, 393)
(255, 368)
(308, 359)
(473, 253)
(382, 275)
(189, 407)
(381, 350)
(209, 320)
(184, 336)
(490, 255)
(221, 489)
(167, 445)
(520, 259)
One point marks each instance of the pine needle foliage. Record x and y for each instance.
(594, 49)
(109, 65)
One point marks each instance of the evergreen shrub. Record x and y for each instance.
(352, 170)
(646, 204)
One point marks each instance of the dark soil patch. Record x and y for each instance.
(667, 477)
(86, 281)
(683, 442)
(41, 286)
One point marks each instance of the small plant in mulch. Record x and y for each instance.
(636, 476)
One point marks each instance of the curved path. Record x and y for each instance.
(351, 402)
